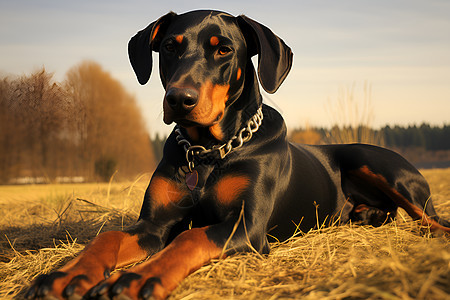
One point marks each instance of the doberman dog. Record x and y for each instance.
(229, 179)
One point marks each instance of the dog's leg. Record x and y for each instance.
(157, 277)
(400, 198)
(368, 215)
(106, 252)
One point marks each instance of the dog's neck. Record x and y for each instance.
(236, 116)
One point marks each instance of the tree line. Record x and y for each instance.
(432, 138)
(86, 126)
(406, 139)
(424, 136)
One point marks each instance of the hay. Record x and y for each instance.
(17, 274)
(394, 261)
(389, 262)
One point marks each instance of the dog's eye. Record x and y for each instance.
(224, 50)
(169, 47)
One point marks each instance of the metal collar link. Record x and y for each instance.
(244, 135)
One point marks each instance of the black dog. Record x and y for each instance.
(228, 170)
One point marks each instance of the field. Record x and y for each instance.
(43, 226)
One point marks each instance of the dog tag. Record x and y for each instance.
(192, 180)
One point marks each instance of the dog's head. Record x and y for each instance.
(203, 61)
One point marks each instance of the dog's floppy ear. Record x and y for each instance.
(141, 45)
(274, 56)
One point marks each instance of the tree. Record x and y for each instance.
(32, 110)
(42, 109)
(7, 132)
(86, 124)
(109, 124)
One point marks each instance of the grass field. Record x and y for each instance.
(43, 226)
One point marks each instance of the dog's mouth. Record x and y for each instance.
(188, 122)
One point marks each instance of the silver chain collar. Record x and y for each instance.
(243, 136)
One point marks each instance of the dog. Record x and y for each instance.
(229, 178)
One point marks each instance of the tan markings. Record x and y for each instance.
(230, 187)
(164, 191)
(155, 31)
(193, 133)
(185, 254)
(214, 41)
(219, 95)
(109, 250)
(361, 208)
(211, 107)
(414, 211)
(130, 251)
(179, 39)
(217, 132)
(239, 71)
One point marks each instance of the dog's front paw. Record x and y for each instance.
(128, 286)
(59, 285)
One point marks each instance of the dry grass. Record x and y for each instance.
(352, 118)
(394, 261)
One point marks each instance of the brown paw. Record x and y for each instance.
(128, 286)
(59, 285)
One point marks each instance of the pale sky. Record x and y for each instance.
(401, 48)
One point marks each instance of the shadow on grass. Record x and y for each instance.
(34, 249)
(16, 239)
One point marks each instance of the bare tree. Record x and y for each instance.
(41, 109)
(8, 161)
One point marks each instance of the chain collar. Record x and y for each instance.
(244, 135)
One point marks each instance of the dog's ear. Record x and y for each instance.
(274, 56)
(141, 45)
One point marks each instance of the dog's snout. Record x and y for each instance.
(182, 100)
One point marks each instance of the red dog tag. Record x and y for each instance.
(192, 180)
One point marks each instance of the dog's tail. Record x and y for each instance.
(427, 214)
(431, 212)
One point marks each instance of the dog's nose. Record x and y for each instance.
(182, 100)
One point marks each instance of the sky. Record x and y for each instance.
(399, 48)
